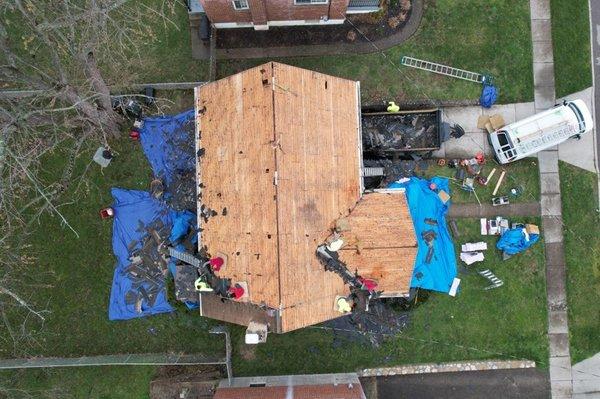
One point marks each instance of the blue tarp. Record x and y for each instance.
(423, 203)
(489, 95)
(166, 143)
(514, 241)
(132, 207)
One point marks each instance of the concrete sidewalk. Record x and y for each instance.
(586, 378)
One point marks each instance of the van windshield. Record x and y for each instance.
(502, 139)
(580, 119)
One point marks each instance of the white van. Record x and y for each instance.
(540, 131)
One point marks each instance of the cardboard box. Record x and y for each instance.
(532, 229)
(444, 196)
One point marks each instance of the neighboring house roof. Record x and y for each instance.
(281, 162)
(311, 386)
(293, 392)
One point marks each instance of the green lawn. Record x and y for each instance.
(475, 35)
(582, 251)
(571, 42)
(77, 382)
(469, 34)
(523, 174)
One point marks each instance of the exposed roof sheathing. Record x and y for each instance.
(297, 128)
(280, 164)
(381, 242)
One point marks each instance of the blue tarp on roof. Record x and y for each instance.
(423, 203)
(167, 143)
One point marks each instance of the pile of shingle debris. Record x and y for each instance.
(148, 267)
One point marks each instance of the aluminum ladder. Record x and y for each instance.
(443, 69)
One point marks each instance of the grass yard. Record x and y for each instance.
(83, 382)
(467, 34)
(571, 42)
(476, 324)
(523, 173)
(582, 251)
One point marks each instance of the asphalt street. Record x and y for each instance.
(497, 384)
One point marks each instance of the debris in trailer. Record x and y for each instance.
(400, 132)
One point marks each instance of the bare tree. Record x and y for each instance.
(67, 53)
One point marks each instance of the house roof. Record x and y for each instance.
(380, 243)
(280, 162)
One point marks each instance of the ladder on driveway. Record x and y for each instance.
(443, 69)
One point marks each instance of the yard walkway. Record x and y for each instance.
(487, 210)
(558, 330)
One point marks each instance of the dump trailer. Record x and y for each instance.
(394, 134)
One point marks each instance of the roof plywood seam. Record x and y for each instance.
(275, 147)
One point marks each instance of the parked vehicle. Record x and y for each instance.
(540, 131)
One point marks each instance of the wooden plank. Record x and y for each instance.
(235, 120)
(317, 164)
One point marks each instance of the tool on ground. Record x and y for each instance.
(441, 162)
(444, 70)
(499, 182)
(429, 236)
(495, 281)
(497, 201)
(489, 177)
(107, 212)
(516, 191)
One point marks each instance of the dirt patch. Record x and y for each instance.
(176, 382)
(247, 352)
(391, 19)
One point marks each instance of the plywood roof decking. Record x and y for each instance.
(381, 242)
(300, 129)
(235, 124)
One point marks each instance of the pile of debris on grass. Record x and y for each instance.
(383, 319)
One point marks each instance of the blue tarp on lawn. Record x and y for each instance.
(514, 241)
(425, 203)
(132, 207)
(167, 142)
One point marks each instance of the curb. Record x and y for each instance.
(451, 367)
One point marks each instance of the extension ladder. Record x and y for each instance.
(443, 69)
(185, 257)
(496, 282)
